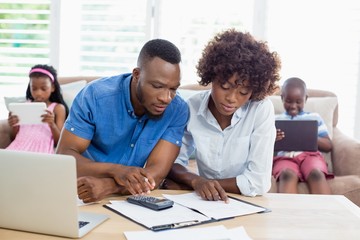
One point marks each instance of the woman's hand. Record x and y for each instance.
(209, 189)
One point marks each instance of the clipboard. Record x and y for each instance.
(181, 215)
(158, 227)
(172, 218)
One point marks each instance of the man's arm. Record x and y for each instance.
(160, 160)
(130, 178)
(70, 144)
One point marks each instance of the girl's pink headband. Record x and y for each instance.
(40, 70)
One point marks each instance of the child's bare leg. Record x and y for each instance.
(288, 182)
(317, 182)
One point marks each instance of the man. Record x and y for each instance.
(125, 131)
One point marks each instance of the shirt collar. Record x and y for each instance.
(125, 85)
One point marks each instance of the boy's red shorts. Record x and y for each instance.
(301, 164)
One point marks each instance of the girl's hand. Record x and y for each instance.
(48, 118)
(279, 134)
(13, 120)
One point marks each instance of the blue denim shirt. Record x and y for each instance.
(102, 113)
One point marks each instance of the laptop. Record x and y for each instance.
(39, 194)
(300, 135)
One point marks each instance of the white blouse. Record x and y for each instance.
(243, 150)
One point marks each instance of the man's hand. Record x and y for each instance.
(135, 179)
(93, 189)
(209, 189)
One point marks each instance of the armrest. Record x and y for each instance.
(345, 154)
(4, 133)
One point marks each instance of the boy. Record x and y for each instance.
(291, 167)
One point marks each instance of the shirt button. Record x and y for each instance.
(72, 129)
(177, 142)
(132, 145)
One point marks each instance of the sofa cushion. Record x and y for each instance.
(9, 100)
(70, 90)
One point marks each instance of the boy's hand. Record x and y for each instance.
(279, 134)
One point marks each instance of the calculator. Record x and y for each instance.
(153, 203)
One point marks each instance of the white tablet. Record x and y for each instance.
(29, 112)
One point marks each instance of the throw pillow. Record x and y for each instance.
(9, 100)
(70, 90)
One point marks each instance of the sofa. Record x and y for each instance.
(343, 161)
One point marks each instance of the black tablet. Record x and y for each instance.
(300, 135)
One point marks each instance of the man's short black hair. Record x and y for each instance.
(161, 48)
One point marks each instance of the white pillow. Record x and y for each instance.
(9, 100)
(70, 90)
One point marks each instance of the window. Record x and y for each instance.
(24, 37)
(318, 41)
(191, 24)
(103, 37)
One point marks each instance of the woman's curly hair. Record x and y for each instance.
(233, 52)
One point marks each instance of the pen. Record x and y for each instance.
(174, 225)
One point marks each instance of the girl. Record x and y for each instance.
(43, 87)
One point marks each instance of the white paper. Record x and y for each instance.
(203, 233)
(215, 209)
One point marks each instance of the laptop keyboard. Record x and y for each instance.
(82, 223)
